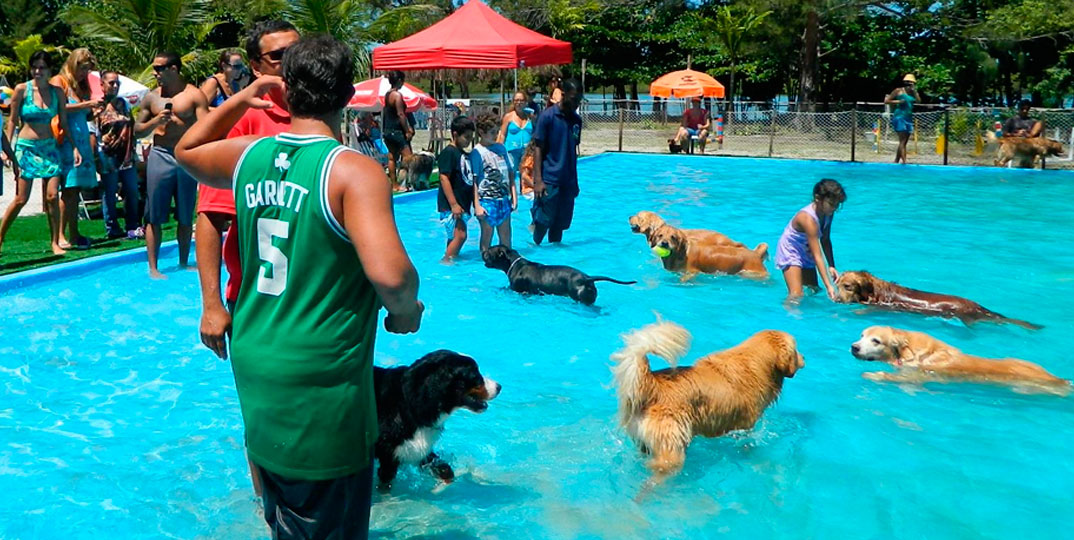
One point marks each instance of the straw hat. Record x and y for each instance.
(909, 77)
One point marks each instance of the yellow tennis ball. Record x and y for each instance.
(661, 251)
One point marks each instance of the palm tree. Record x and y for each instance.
(18, 66)
(344, 20)
(730, 27)
(142, 28)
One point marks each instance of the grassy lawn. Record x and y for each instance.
(27, 243)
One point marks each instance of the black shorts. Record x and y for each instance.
(556, 209)
(328, 509)
(395, 141)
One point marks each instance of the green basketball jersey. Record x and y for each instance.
(305, 318)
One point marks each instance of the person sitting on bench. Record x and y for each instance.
(1022, 125)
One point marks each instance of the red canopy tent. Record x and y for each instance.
(474, 37)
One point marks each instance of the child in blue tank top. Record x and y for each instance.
(806, 243)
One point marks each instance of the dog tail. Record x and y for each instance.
(1024, 324)
(593, 279)
(762, 250)
(631, 370)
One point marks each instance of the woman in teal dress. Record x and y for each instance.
(902, 119)
(34, 106)
(517, 128)
(74, 79)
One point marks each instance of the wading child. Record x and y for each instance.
(806, 244)
(495, 196)
(455, 196)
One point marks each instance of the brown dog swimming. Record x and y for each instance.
(919, 357)
(864, 288)
(724, 391)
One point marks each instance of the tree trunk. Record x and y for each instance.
(634, 103)
(619, 95)
(730, 94)
(808, 75)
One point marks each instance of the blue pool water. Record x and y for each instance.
(116, 423)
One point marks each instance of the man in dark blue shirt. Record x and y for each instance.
(555, 165)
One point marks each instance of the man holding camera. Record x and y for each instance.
(167, 112)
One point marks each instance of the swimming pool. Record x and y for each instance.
(115, 422)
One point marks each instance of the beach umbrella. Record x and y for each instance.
(129, 89)
(686, 83)
(369, 96)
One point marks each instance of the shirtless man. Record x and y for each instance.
(168, 112)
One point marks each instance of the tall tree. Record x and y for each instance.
(730, 27)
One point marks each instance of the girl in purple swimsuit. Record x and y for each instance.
(806, 243)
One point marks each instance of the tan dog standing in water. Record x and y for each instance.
(722, 392)
(692, 258)
(919, 358)
(647, 223)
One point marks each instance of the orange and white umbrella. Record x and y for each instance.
(129, 89)
(686, 83)
(369, 96)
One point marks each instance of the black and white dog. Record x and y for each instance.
(535, 278)
(414, 401)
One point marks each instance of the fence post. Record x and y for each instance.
(620, 129)
(946, 133)
(772, 130)
(853, 131)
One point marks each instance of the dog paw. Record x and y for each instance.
(877, 376)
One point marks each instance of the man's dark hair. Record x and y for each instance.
(571, 85)
(487, 123)
(461, 124)
(41, 55)
(261, 29)
(829, 190)
(1024, 104)
(396, 78)
(171, 57)
(108, 72)
(318, 71)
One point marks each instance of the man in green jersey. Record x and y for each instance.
(320, 253)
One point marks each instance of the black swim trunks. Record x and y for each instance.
(337, 508)
(395, 140)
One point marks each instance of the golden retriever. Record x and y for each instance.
(864, 288)
(920, 357)
(692, 258)
(1023, 150)
(724, 391)
(647, 223)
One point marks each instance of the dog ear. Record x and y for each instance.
(900, 346)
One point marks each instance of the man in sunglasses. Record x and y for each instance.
(167, 112)
(265, 44)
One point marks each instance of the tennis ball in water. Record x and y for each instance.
(661, 251)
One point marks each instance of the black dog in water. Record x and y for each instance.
(535, 278)
(413, 402)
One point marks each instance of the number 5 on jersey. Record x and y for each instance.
(272, 279)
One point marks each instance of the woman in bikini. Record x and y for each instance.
(34, 105)
(232, 77)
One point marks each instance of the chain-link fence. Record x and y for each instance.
(955, 136)
(844, 132)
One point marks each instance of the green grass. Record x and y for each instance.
(27, 243)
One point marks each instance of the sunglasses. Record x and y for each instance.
(276, 55)
(240, 65)
(160, 69)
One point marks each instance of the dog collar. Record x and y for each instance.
(513, 263)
